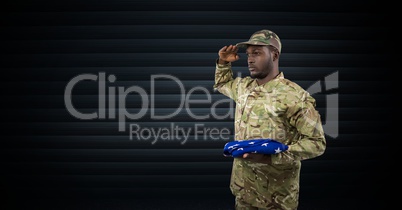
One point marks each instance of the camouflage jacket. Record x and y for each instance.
(280, 110)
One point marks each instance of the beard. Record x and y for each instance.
(265, 70)
(259, 75)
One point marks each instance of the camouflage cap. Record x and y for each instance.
(263, 37)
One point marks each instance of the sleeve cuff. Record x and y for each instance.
(222, 65)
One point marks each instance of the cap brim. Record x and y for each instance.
(244, 44)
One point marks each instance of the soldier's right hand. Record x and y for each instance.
(228, 53)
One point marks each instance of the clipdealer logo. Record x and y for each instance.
(110, 108)
(330, 83)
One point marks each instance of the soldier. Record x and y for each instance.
(268, 106)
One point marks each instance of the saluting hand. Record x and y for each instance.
(228, 54)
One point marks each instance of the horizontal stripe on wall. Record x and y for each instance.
(174, 45)
(187, 18)
(166, 155)
(177, 59)
(344, 140)
(364, 32)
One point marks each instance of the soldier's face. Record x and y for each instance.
(259, 61)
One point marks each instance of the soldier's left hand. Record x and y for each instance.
(259, 158)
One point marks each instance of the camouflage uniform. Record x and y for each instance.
(281, 110)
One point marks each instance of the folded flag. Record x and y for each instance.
(263, 146)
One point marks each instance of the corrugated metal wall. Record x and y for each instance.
(52, 160)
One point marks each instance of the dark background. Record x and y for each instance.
(51, 160)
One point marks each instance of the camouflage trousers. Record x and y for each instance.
(241, 205)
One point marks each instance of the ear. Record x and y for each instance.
(275, 55)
